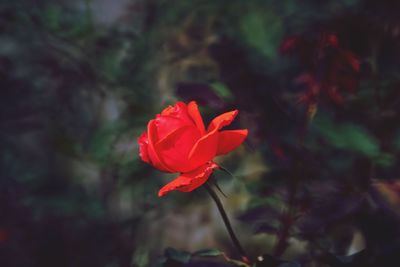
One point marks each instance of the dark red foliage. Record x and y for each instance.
(327, 68)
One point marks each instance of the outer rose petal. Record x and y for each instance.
(194, 112)
(204, 150)
(175, 148)
(189, 181)
(143, 146)
(222, 120)
(230, 139)
(153, 155)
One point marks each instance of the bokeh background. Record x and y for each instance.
(317, 84)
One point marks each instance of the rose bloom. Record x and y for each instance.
(177, 141)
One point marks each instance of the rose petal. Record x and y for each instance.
(204, 150)
(175, 148)
(189, 181)
(143, 146)
(222, 120)
(153, 155)
(194, 112)
(166, 125)
(179, 111)
(230, 139)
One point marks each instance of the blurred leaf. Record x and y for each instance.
(177, 255)
(263, 31)
(384, 159)
(223, 91)
(346, 136)
(52, 17)
(208, 253)
(141, 257)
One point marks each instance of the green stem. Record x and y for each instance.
(227, 223)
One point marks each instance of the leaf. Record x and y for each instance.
(222, 90)
(263, 31)
(208, 253)
(141, 256)
(347, 136)
(385, 159)
(52, 17)
(177, 255)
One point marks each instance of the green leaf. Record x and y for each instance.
(52, 17)
(385, 159)
(177, 255)
(347, 136)
(222, 90)
(208, 253)
(141, 257)
(262, 31)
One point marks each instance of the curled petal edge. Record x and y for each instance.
(189, 181)
(222, 120)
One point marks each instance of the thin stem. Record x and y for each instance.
(227, 223)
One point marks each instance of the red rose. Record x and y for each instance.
(177, 141)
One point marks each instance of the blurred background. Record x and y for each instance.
(317, 84)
